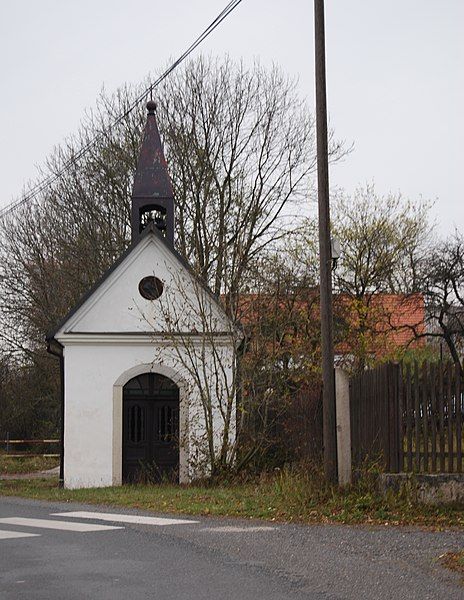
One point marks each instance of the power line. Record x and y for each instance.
(50, 179)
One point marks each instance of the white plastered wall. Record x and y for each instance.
(117, 306)
(95, 373)
(112, 337)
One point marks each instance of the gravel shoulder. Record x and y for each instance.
(48, 474)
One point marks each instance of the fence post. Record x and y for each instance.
(7, 442)
(395, 418)
(342, 399)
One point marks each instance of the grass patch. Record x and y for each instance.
(26, 464)
(291, 496)
(455, 562)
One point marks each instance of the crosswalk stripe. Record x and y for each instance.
(50, 524)
(237, 529)
(11, 535)
(121, 518)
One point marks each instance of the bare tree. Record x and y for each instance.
(194, 336)
(28, 397)
(384, 241)
(240, 146)
(444, 292)
(238, 406)
(280, 367)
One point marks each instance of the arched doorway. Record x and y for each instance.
(150, 433)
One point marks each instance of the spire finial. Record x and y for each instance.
(152, 194)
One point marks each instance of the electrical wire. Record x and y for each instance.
(50, 179)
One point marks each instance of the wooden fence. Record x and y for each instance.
(433, 415)
(12, 451)
(409, 416)
(374, 416)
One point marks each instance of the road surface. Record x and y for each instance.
(71, 552)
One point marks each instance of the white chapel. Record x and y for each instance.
(147, 355)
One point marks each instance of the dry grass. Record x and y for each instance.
(455, 562)
(26, 464)
(288, 495)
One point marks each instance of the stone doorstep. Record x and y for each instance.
(428, 488)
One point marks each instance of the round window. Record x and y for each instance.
(151, 287)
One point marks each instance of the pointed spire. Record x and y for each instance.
(152, 195)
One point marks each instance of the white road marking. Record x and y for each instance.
(236, 529)
(63, 525)
(121, 518)
(11, 535)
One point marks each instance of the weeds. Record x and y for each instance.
(26, 464)
(455, 562)
(289, 494)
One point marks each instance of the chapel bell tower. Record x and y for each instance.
(152, 195)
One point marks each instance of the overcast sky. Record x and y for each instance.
(394, 69)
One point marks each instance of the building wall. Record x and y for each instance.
(117, 306)
(96, 369)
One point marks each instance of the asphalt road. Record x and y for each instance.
(102, 556)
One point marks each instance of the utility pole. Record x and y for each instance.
(325, 258)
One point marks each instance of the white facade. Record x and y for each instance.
(116, 334)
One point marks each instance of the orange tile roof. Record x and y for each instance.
(392, 319)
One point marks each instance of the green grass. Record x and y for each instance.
(26, 464)
(292, 496)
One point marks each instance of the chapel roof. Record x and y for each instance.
(152, 178)
(152, 186)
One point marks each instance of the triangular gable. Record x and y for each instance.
(114, 304)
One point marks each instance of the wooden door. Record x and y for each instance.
(150, 429)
